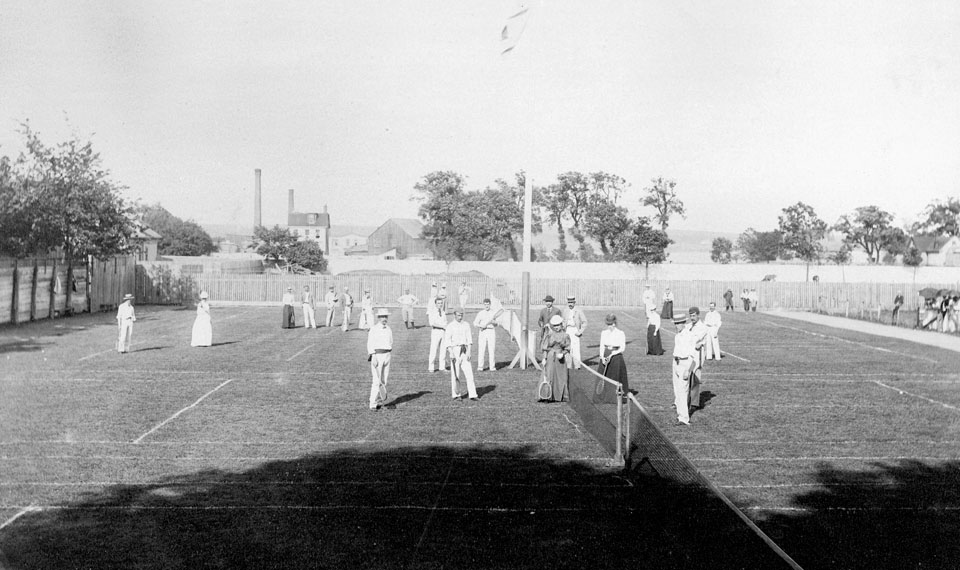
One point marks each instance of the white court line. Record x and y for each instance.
(22, 512)
(171, 418)
(831, 337)
(306, 348)
(734, 355)
(948, 406)
(354, 483)
(106, 351)
(300, 443)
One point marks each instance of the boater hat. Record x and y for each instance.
(556, 320)
(127, 297)
(679, 318)
(384, 312)
(571, 299)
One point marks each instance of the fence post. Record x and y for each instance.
(15, 296)
(33, 292)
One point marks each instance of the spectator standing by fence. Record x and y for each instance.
(347, 309)
(728, 299)
(309, 315)
(713, 321)
(754, 298)
(897, 303)
(125, 318)
(407, 301)
(202, 333)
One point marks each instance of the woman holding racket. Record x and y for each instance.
(555, 348)
(612, 344)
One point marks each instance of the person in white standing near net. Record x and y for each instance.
(575, 321)
(459, 340)
(485, 322)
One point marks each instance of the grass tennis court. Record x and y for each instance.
(260, 452)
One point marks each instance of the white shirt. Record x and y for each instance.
(380, 337)
(307, 298)
(347, 299)
(684, 344)
(649, 297)
(485, 319)
(436, 317)
(713, 321)
(458, 333)
(331, 299)
(288, 298)
(367, 302)
(610, 338)
(407, 300)
(125, 311)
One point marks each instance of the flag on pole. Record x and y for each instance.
(512, 30)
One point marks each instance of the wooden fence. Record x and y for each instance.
(158, 284)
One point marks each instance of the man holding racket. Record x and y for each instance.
(460, 342)
(379, 346)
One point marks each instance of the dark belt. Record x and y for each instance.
(381, 350)
(440, 328)
(677, 359)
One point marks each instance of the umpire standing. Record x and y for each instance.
(379, 347)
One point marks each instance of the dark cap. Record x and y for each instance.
(694, 310)
(548, 298)
(610, 319)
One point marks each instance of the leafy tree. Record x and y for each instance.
(912, 257)
(273, 243)
(896, 242)
(307, 254)
(721, 251)
(759, 247)
(940, 218)
(801, 231)
(441, 196)
(642, 243)
(556, 200)
(506, 203)
(603, 218)
(870, 228)
(177, 237)
(59, 197)
(841, 257)
(663, 197)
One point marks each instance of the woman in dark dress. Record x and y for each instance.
(667, 312)
(654, 346)
(612, 344)
(555, 349)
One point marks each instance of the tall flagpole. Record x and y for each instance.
(525, 294)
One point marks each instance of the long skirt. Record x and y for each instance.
(667, 312)
(616, 370)
(654, 346)
(557, 375)
(202, 334)
(289, 320)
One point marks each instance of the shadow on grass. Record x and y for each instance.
(424, 507)
(22, 345)
(408, 397)
(896, 515)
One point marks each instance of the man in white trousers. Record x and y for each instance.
(460, 343)
(125, 320)
(379, 346)
(713, 321)
(332, 300)
(487, 337)
(438, 328)
(575, 321)
(309, 315)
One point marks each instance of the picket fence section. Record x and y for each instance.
(163, 285)
(41, 288)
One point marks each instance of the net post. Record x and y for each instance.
(619, 457)
(626, 433)
(524, 317)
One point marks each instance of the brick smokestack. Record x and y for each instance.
(257, 219)
(290, 202)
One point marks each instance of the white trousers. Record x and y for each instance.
(683, 381)
(346, 318)
(712, 347)
(438, 346)
(459, 371)
(487, 342)
(309, 317)
(380, 370)
(330, 311)
(125, 339)
(574, 348)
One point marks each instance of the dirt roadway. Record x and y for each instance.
(931, 338)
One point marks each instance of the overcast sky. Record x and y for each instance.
(750, 105)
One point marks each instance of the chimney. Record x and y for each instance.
(290, 201)
(257, 220)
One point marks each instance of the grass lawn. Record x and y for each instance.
(260, 452)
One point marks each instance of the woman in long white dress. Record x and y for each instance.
(202, 326)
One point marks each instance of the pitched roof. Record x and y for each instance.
(411, 226)
(929, 243)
